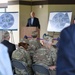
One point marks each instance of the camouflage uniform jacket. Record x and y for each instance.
(34, 44)
(44, 56)
(23, 56)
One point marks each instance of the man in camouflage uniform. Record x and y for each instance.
(46, 55)
(34, 43)
(21, 54)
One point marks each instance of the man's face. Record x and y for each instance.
(32, 14)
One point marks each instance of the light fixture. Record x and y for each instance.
(40, 6)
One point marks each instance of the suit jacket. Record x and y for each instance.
(66, 52)
(11, 47)
(35, 23)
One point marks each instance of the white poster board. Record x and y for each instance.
(9, 20)
(58, 21)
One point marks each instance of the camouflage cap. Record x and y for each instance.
(24, 40)
(34, 33)
(47, 37)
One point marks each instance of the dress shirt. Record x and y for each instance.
(32, 19)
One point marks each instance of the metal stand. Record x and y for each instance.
(12, 36)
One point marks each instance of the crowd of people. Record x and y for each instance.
(59, 60)
(31, 51)
(35, 52)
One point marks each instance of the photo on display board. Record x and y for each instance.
(9, 20)
(58, 21)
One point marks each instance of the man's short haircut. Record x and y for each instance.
(6, 34)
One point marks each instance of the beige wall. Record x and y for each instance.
(61, 8)
(14, 34)
(24, 14)
(43, 15)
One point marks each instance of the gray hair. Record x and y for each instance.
(6, 34)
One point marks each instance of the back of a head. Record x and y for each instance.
(34, 34)
(24, 40)
(47, 39)
(6, 35)
(24, 43)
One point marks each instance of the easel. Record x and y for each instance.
(11, 32)
(12, 37)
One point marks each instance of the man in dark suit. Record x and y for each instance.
(11, 47)
(66, 52)
(33, 21)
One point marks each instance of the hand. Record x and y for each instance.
(52, 67)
